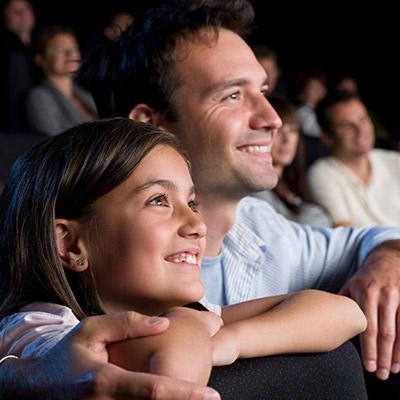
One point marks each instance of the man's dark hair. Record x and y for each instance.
(261, 51)
(327, 103)
(139, 67)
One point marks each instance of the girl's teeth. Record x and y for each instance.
(190, 259)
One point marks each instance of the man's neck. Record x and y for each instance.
(219, 215)
(359, 165)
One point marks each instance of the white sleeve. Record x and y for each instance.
(216, 309)
(35, 330)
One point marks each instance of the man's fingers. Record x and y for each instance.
(386, 330)
(368, 302)
(137, 385)
(101, 330)
(395, 367)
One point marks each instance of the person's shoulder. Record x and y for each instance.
(39, 91)
(250, 204)
(35, 328)
(384, 155)
(56, 310)
(321, 166)
(259, 216)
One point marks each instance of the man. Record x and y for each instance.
(353, 184)
(185, 68)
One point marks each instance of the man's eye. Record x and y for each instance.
(265, 92)
(159, 201)
(233, 96)
(194, 205)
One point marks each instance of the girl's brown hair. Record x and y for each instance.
(61, 178)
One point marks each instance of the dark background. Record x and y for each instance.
(353, 36)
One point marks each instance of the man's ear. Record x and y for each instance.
(143, 113)
(326, 138)
(39, 60)
(70, 247)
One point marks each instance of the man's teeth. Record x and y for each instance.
(256, 149)
(187, 258)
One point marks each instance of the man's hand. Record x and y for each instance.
(376, 288)
(77, 367)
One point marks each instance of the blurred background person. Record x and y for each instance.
(311, 88)
(269, 61)
(58, 103)
(358, 185)
(348, 83)
(290, 197)
(119, 23)
(17, 71)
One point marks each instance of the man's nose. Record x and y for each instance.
(264, 115)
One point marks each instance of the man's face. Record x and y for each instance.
(224, 120)
(351, 129)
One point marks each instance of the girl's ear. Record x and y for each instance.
(70, 246)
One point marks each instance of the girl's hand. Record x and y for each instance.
(225, 347)
(211, 321)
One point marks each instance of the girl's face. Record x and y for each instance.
(62, 55)
(146, 239)
(285, 144)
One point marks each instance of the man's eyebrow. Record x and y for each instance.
(218, 87)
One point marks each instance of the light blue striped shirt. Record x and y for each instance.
(265, 254)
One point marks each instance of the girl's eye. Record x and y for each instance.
(194, 205)
(159, 201)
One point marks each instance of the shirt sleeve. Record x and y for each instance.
(300, 256)
(31, 333)
(216, 309)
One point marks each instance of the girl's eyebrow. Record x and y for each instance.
(158, 182)
(167, 184)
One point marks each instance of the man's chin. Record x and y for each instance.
(266, 184)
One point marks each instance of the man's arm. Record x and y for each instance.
(376, 288)
(79, 363)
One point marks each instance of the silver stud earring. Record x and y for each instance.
(80, 261)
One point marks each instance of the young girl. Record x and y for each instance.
(103, 218)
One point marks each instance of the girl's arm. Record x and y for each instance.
(182, 352)
(307, 321)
